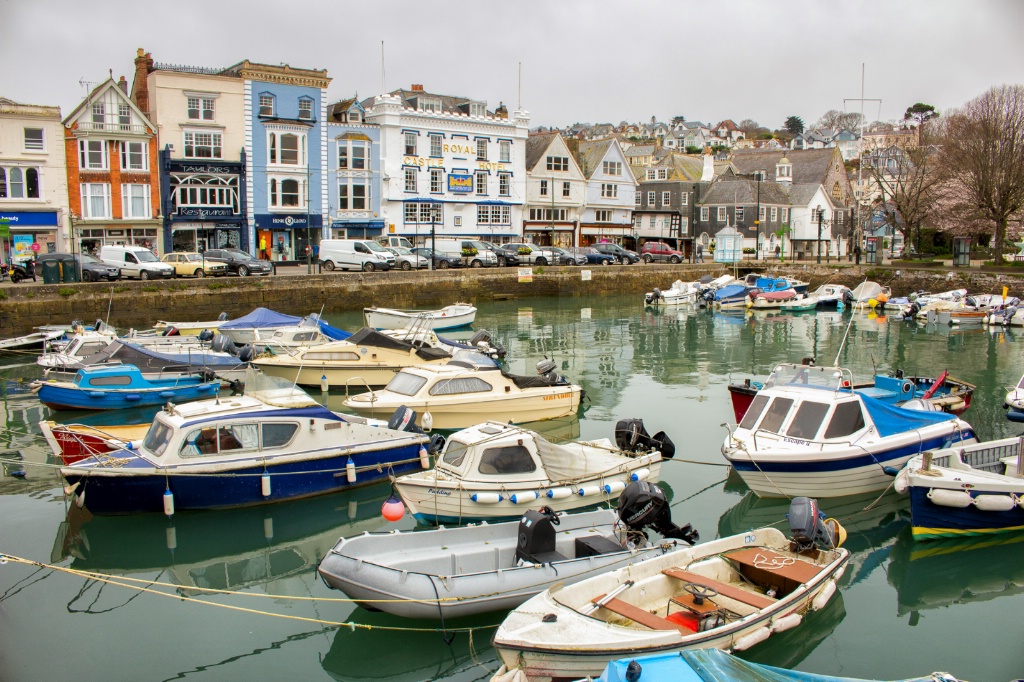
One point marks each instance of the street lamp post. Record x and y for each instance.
(820, 212)
(757, 214)
(432, 238)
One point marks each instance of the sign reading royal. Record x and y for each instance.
(460, 183)
(268, 221)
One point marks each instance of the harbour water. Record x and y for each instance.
(904, 609)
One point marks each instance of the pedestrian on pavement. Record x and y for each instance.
(778, 252)
(856, 253)
(700, 252)
(263, 248)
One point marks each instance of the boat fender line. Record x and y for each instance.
(350, 471)
(786, 622)
(819, 601)
(957, 499)
(168, 502)
(559, 493)
(749, 640)
(1000, 503)
(486, 498)
(523, 498)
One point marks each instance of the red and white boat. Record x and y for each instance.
(73, 442)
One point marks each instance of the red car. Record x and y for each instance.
(652, 251)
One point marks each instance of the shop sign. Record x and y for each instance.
(30, 218)
(203, 213)
(191, 167)
(284, 222)
(458, 182)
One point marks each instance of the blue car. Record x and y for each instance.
(593, 256)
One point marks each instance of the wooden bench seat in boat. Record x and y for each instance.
(639, 615)
(762, 566)
(758, 601)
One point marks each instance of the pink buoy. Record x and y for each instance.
(393, 509)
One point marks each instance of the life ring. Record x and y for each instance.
(907, 387)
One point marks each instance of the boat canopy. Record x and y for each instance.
(731, 291)
(265, 318)
(890, 420)
(566, 463)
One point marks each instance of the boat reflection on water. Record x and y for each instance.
(789, 648)
(870, 532)
(224, 549)
(941, 573)
(412, 656)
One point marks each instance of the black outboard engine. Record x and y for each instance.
(246, 353)
(222, 344)
(653, 296)
(489, 346)
(546, 370)
(912, 311)
(436, 443)
(631, 436)
(536, 539)
(848, 297)
(205, 335)
(807, 528)
(643, 505)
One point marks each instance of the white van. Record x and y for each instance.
(395, 242)
(361, 254)
(456, 247)
(136, 261)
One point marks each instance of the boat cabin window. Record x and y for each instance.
(754, 411)
(511, 459)
(459, 386)
(157, 438)
(405, 383)
(328, 356)
(846, 420)
(110, 381)
(776, 414)
(277, 435)
(304, 336)
(807, 420)
(212, 440)
(454, 453)
(87, 349)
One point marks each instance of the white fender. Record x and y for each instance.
(558, 493)
(265, 485)
(614, 488)
(818, 603)
(588, 490)
(486, 498)
(350, 471)
(523, 498)
(994, 502)
(168, 502)
(901, 484)
(424, 458)
(640, 475)
(950, 498)
(755, 637)
(787, 622)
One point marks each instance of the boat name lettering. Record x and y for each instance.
(794, 441)
(558, 396)
(435, 491)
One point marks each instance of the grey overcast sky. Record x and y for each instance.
(582, 60)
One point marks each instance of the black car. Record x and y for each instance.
(442, 261)
(505, 256)
(624, 256)
(239, 262)
(93, 270)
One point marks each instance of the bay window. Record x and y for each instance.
(92, 155)
(95, 200)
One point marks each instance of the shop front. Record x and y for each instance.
(203, 206)
(550, 234)
(357, 229)
(91, 238)
(26, 233)
(622, 235)
(289, 236)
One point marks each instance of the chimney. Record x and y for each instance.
(123, 84)
(501, 111)
(140, 88)
(417, 87)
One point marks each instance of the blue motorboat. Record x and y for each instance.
(715, 665)
(117, 386)
(265, 446)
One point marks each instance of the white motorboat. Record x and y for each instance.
(806, 302)
(1014, 402)
(771, 300)
(868, 294)
(807, 431)
(33, 341)
(448, 317)
(470, 389)
(494, 470)
(81, 344)
(190, 328)
(990, 302)
(834, 295)
(680, 293)
(452, 572)
(970, 490)
(729, 594)
(264, 327)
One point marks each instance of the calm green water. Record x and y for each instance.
(903, 609)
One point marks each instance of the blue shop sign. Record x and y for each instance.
(284, 222)
(367, 227)
(30, 218)
(460, 183)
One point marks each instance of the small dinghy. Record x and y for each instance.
(448, 317)
(450, 572)
(74, 442)
(114, 387)
(832, 295)
(494, 470)
(801, 303)
(971, 490)
(770, 300)
(730, 594)
(680, 293)
(34, 341)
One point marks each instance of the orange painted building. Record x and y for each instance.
(113, 171)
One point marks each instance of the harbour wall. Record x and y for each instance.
(140, 304)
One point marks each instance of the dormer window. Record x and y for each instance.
(429, 104)
(477, 109)
(354, 117)
(306, 109)
(266, 105)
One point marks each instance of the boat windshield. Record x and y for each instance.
(831, 378)
(405, 383)
(157, 438)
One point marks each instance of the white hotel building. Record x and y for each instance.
(450, 166)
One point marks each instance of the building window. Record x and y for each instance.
(721, 214)
(662, 174)
(19, 183)
(99, 114)
(775, 214)
(684, 199)
(477, 109)
(124, 116)
(650, 199)
(410, 179)
(34, 141)
(558, 163)
(638, 198)
(306, 109)
(423, 213)
(603, 215)
(431, 105)
(705, 213)
(436, 180)
(201, 108)
(352, 154)
(266, 105)
(609, 191)
(135, 156)
(481, 182)
(481, 150)
(650, 175)
(435, 145)
(612, 167)
(543, 188)
(549, 214)
(784, 214)
(410, 144)
(739, 214)
(457, 221)
(95, 200)
(666, 198)
(92, 155)
(684, 225)
(202, 145)
(208, 191)
(504, 184)
(760, 213)
(135, 201)
(353, 195)
(505, 151)
(286, 193)
(566, 189)
(493, 215)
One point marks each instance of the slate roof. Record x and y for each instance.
(590, 154)
(684, 167)
(536, 145)
(334, 111)
(641, 150)
(809, 165)
(743, 191)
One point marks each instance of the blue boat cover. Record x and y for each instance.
(262, 317)
(333, 332)
(731, 291)
(772, 284)
(713, 665)
(890, 419)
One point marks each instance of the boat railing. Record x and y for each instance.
(814, 444)
(361, 380)
(790, 374)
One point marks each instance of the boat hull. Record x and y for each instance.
(929, 520)
(73, 398)
(311, 375)
(393, 319)
(560, 402)
(74, 442)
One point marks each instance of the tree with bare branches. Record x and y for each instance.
(983, 157)
(839, 120)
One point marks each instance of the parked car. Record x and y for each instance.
(191, 264)
(442, 261)
(531, 254)
(593, 256)
(624, 256)
(505, 255)
(92, 269)
(239, 262)
(565, 257)
(660, 251)
(135, 261)
(406, 259)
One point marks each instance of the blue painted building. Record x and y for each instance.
(353, 172)
(286, 148)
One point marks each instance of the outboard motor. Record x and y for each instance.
(222, 344)
(653, 296)
(436, 444)
(536, 538)
(807, 527)
(246, 353)
(643, 505)
(404, 419)
(222, 317)
(205, 335)
(913, 310)
(631, 436)
(848, 297)
(546, 370)
(484, 341)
